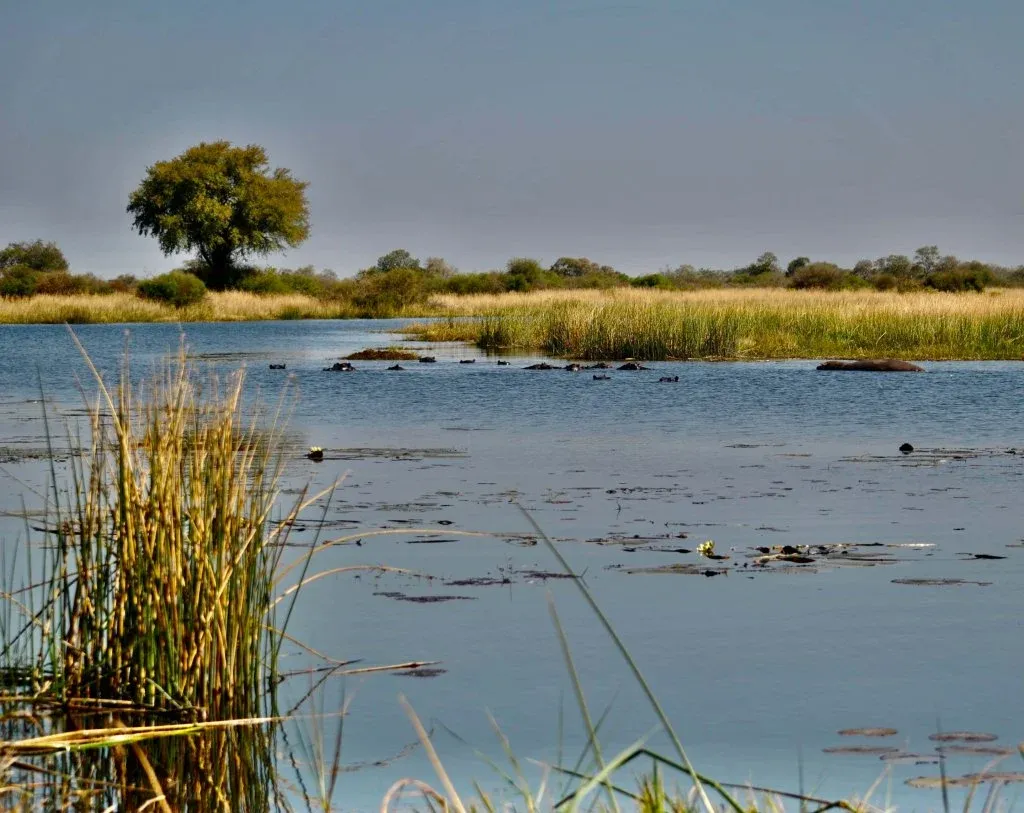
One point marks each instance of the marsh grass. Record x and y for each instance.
(157, 580)
(737, 324)
(222, 306)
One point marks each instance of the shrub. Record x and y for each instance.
(966, 277)
(824, 276)
(264, 282)
(177, 288)
(652, 281)
(18, 280)
(61, 283)
(884, 282)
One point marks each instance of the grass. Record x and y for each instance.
(158, 585)
(224, 306)
(737, 324)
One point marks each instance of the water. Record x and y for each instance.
(757, 670)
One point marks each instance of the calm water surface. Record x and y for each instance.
(757, 670)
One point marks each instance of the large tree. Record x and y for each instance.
(222, 202)
(38, 256)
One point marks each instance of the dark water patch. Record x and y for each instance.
(861, 750)
(909, 758)
(678, 569)
(868, 732)
(974, 556)
(431, 599)
(963, 736)
(544, 575)
(938, 782)
(424, 672)
(429, 540)
(939, 582)
(977, 750)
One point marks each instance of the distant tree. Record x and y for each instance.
(524, 273)
(767, 263)
(225, 203)
(895, 265)
(571, 267)
(926, 259)
(439, 268)
(37, 255)
(863, 269)
(399, 258)
(796, 265)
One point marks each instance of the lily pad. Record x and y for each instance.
(962, 736)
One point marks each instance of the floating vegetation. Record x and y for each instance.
(861, 750)
(939, 582)
(962, 736)
(383, 354)
(868, 732)
(939, 782)
(429, 599)
(424, 672)
(978, 750)
(916, 759)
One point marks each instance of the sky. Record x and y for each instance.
(643, 134)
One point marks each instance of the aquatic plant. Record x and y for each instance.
(738, 324)
(158, 576)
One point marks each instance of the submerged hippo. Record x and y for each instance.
(503, 363)
(873, 365)
(632, 365)
(601, 365)
(573, 368)
(340, 367)
(602, 377)
(277, 366)
(427, 360)
(668, 379)
(398, 367)
(543, 365)
(467, 361)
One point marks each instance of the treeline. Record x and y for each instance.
(399, 281)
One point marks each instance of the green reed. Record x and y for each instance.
(751, 326)
(156, 581)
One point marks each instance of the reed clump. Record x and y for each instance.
(158, 571)
(738, 324)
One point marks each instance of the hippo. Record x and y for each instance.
(601, 365)
(573, 368)
(602, 377)
(502, 363)
(427, 360)
(396, 367)
(340, 367)
(277, 366)
(906, 448)
(632, 365)
(467, 361)
(541, 366)
(668, 379)
(873, 365)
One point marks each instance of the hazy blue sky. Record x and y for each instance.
(641, 134)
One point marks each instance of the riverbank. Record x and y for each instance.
(737, 324)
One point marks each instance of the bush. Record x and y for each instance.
(18, 280)
(824, 276)
(178, 288)
(884, 282)
(61, 283)
(652, 281)
(966, 277)
(264, 282)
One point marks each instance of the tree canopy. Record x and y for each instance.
(37, 255)
(222, 202)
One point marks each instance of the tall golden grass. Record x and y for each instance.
(738, 324)
(222, 306)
